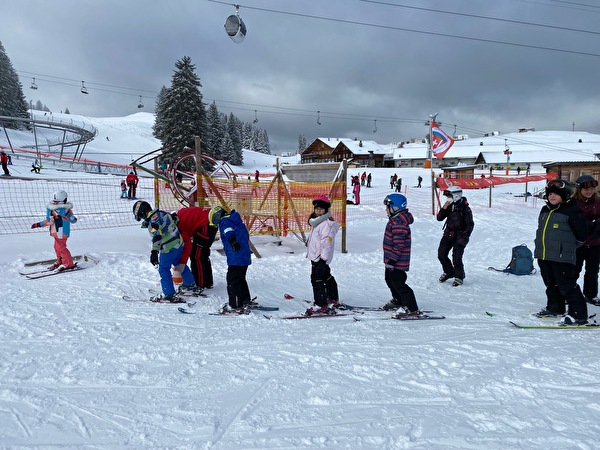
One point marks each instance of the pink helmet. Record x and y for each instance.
(321, 198)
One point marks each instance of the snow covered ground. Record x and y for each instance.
(82, 368)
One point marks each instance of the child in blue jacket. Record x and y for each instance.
(236, 243)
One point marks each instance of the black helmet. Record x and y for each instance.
(586, 181)
(141, 209)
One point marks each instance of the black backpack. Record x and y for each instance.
(521, 262)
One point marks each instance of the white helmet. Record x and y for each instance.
(453, 191)
(59, 197)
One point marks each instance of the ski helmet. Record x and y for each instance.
(559, 187)
(215, 215)
(59, 197)
(586, 181)
(322, 201)
(453, 191)
(141, 209)
(396, 203)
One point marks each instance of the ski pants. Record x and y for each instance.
(201, 266)
(454, 268)
(131, 191)
(325, 287)
(63, 255)
(237, 286)
(402, 294)
(591, 257)
(165, 262)
(561, 284)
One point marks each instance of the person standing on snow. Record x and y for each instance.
(59, 216)
(320, 247)
(4, 162)
(198, 235)
(396, 254)
(561, 229)
(132, 182)
(236, 243)
(457, 230)
(588, 201)
(167, 247)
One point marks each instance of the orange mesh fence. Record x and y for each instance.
(266, 207)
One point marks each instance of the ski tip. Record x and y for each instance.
(490, 314)
(288, 296)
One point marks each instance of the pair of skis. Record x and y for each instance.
(42, 269)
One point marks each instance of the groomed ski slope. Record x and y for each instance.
(82, 368)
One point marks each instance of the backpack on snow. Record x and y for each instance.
(521, 262)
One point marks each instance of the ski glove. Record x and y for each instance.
(154, 257)
(35, 225)
(235, 245)
(392, 262)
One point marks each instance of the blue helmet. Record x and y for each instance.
(396, 203)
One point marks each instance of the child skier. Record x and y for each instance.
(320, 246)
(59, 216)
(167, 247)
(396, 254)
(123, 189)
(561, 229)
(236, 243)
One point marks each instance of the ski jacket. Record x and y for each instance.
(59, 217)
(591, 212)
(132, 179)
(561, 229)
(459, 221)
(4, 158)
(194, 227)
(321, 241)
(397, 241)
(164, 232)
(232, 229)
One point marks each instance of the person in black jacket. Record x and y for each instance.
(561, 230)
(457, 230)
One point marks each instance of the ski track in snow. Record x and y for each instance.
(83, 368)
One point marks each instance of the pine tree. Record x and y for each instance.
(12, 99)
(214, 130)
(235, 135)
(157, 128)
(181, 115)
(301, 143)
(67, 111)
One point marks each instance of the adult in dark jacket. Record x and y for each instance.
(561, 229)
(236, 243)
(396, 254)
(588, 201)
(457, 231)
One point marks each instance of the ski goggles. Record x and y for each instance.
(589, 184)
(560, 184)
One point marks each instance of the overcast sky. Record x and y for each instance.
(481, 65)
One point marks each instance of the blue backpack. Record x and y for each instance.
(521, 262)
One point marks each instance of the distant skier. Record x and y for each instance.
(132, 182)
(4, 161)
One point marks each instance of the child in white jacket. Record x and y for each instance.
(320, 252)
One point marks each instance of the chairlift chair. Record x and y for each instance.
(319, 117)
(33, 85)
(255, 117)
(140, 104)
(83, 88)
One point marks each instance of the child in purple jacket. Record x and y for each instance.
(396, 254)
